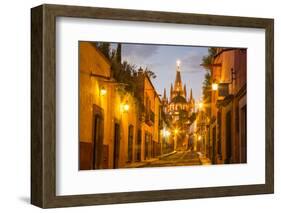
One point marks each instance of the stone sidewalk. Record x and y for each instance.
(203, 159)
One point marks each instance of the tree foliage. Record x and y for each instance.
(206, 63)
(207, 88)
(207, 60)
(104, 47)
(123, 71)
(150, 73)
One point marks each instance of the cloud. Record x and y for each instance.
(140, 51)
(191, 62)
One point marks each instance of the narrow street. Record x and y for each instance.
(129, 120)
(180, 158)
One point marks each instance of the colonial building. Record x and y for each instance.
(150, 105)
(116, 127)
(108, 115)
(179, 107)
(228, 136)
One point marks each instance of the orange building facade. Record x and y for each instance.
(228, 123)
(116, 128)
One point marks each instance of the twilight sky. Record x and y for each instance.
(161, 59)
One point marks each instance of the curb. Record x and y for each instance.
(168, 154)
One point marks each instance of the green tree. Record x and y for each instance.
(150, 73)
(123, 71)
(206, 63)
(104, 47)
(207, 88)
(207, 60)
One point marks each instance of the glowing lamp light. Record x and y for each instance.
(178, 63)
(200, 105)
(176, 131)
(215, 86)
(103, 91)
(166, 133)
(125, 107)
(199, 137)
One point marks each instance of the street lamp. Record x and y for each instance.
(125, 107)
(103, 91)
(200, 105)
(215, 86)
(166, 133)
(176, 131)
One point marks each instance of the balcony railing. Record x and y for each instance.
(149, 118)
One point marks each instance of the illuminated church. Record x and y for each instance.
(179, 105)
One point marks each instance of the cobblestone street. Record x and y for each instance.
(180, 158)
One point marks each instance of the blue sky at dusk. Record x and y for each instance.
(161, 59)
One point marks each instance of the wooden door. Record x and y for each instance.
(228, 137)
(98, 128)
(130, 143)
(116, 145)
(243, 136)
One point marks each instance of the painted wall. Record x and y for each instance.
(95, 75)
(91, 62)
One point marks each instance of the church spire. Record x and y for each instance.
(178, 77)
(178, 65)
(190, 96)
(164, 96)
(184, 90)
(171, 92)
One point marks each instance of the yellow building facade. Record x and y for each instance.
(117, 128)
(108, 115)
(149, 117)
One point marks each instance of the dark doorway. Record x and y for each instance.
(243, 136)
(228, 137)
(116, 145)
(214, 137)
(147, 146)
(138, 146)
(130, 143)
(97, 141)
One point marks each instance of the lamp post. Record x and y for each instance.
(176, 132)
(166, 134)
